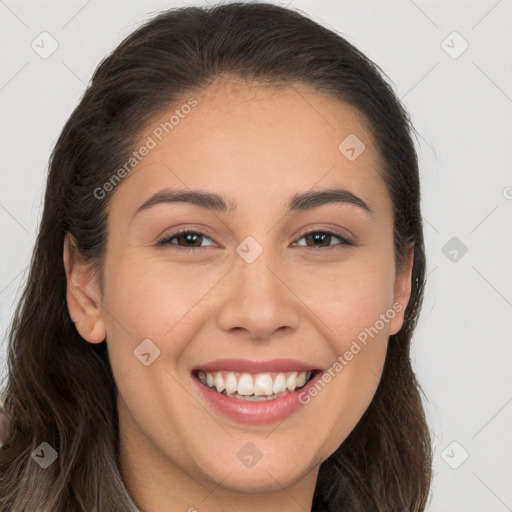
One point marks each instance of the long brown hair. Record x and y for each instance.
(60, 389)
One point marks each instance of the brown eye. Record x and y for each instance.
(185, 239)
(320, 239)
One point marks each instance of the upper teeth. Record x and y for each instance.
(260, 384)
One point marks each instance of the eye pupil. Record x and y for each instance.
(191, 237)
(319, 238)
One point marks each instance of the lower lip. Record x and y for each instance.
(255, 412)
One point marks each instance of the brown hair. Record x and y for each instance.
(60, 389)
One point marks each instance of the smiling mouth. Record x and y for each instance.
(255, 386)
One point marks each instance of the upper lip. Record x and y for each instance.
(246, 365)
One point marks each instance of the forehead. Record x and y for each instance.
(257, 141)
(234, 104)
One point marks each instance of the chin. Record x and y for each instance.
(270, 473)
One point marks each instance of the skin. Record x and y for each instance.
(257, 146)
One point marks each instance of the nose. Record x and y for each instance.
(259, 299)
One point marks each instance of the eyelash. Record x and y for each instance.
(167, 240)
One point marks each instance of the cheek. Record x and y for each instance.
(148, 298)
(350, 297)
(152, 297)
(352, 303)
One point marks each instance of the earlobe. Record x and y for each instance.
(402, 292)
(82, 295)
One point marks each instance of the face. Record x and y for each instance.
(261, 290)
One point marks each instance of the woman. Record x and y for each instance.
(227, 276)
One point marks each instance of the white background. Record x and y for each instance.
(460, 106)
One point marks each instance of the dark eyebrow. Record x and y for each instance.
(316, 198)
(207, 200)
(217, 203)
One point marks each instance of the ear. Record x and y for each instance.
(83, 294)
(402, 291)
